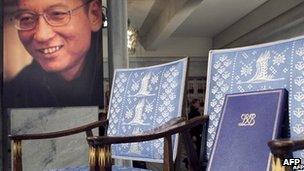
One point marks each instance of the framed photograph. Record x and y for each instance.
(48, 62)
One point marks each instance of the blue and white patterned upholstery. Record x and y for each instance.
(260, 67)
(142, 99)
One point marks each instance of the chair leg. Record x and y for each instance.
(192, 154)
(104, 158)
(93, 156)
(100, 158)
(276, 164)
(168, 163)
(17, 155)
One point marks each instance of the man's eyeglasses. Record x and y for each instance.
(57, 16)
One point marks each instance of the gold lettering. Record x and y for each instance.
(247, 119)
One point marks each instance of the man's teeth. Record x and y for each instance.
(51, 50)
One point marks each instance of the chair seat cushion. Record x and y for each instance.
(122, 168)
(86, 168)
(76, 168)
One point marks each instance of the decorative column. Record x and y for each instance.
(117, 35)
(117, 42)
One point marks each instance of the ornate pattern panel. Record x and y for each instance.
(142, 99)
(260, 67)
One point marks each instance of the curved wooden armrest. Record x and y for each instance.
(285, 146)
(57, 134)
(160, 132)
(166, 125)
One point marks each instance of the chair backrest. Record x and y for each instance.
(260, 67)
(142, 99)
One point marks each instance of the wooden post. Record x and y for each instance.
(17, 155)
(276, 164)
(102, 116)
(168, 163)
(104, 158)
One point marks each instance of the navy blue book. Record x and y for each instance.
(248, 121)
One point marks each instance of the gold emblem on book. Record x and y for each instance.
(248, 119)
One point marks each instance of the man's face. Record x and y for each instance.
(59, 49)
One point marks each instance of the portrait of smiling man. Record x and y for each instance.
(62, 38)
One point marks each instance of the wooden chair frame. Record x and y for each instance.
(100, 146)
(281, 149)
(17, 139)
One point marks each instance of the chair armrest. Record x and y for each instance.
(282, 147)
(166, 125)
(62, 133)
(160, 132)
